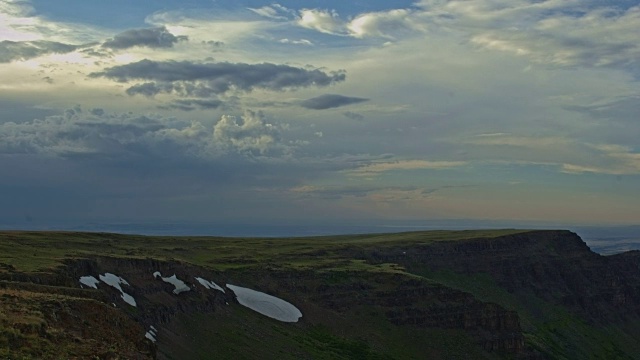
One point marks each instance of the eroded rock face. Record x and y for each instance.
(157, 300)
(405, 301)
(556, 266)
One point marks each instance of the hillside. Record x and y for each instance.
(492, 294)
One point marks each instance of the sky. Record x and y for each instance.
(319, 112)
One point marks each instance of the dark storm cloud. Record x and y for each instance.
(24, 50)
(158, 37)
(188, 78)
(192, 104)
(328, 101)
(149, 89)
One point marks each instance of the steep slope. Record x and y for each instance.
(442, 295)
(551, 278)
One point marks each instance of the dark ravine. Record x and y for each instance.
(514, 296)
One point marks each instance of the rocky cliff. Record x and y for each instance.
(556, 266)
(519, 295)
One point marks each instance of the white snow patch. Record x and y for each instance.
(179, 284)
(209, 284)
(151, 334)
(115, 281)
(90, 281)
(265, 304)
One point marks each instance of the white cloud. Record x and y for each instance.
(14, 18)
(562, 33)
(18, 23)
(230, 31)
(373, 24)
(324, 21)
(381, 24)
(271, 12)
(559, 33)
(250, 134)
(296, 42)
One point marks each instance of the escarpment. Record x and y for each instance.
(494, 295)
(556, 266)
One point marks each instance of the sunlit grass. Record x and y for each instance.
(37, 251)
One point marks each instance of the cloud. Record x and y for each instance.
(621, 160)
(77, 132)
(125, 136)
(324, 21)
(19, 22)
(353, 115)
(372, 24)
(250, 134)
(339, 192)
(275, 11)
(157, 37)
(558, 33)
(505, 139)
(623, 109)
(561, 33)
(216, 26)
(567, 154)
(192, 104)
(24, 50)
(296, 42)
(381, 24)
(188, 78)
(403, 165)
(328, 101)
(149, 89)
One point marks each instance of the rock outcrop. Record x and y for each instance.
(556, 266)
(422, 291)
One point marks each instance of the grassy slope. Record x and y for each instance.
(549, 328)
(40, 251)
(243, 331)
(557, 332)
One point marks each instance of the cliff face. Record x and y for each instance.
(500, 297)
(556, 266)
(403, 301)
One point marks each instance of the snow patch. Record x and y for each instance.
(209, 284)
(115, 281)
(179, 284)
(151, 334)
(266, 304)
(89, 281)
